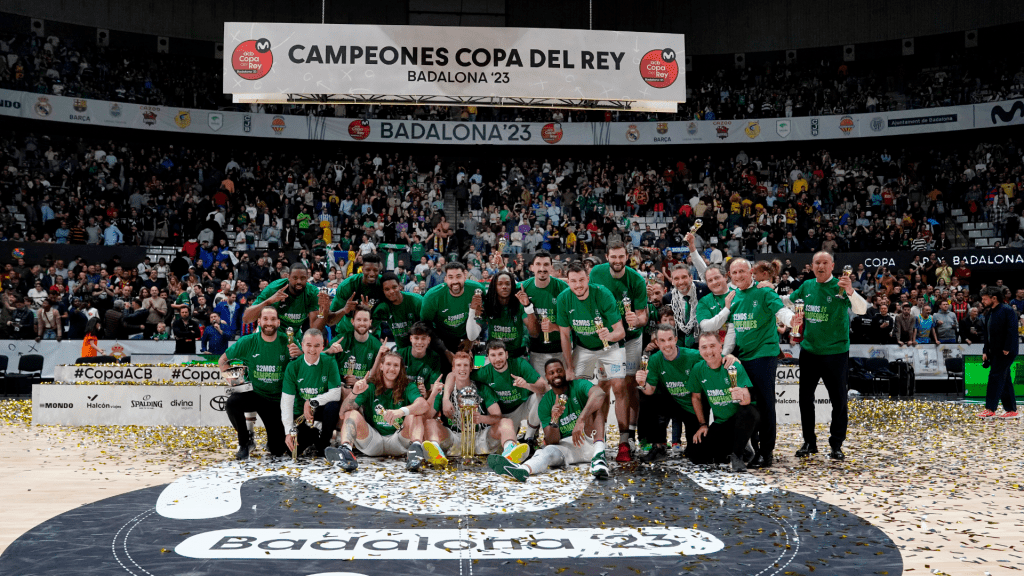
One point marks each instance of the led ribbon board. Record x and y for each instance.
(347, 63)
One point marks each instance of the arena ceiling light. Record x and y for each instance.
(453, 66)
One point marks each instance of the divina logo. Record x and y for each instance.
(146, 403)
(181, 403)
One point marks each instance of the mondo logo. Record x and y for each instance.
(552, 132)
(359, 129)
(252, 59)
(56, 405)
(659, 68)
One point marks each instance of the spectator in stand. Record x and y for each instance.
(946, 324)
(972, 328)
(906, 327)
(215, 336)
(185, 331)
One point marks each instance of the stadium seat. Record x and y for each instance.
(955, 372)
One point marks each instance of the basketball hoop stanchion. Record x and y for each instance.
(468, 401)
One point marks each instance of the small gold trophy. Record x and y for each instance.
(563, 399)
(696, 226)
(323, 290)
(350, 366)
(643, 366)
(291, 335)
(598, 324)
(547, 335)
(847, 272)
(421, 383)
(627, 307)
(732, 381)
(294, 433)
(501, 244)
(799, 307)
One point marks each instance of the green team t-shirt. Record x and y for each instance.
(579, 315)
(428, 367)
(632, 285)
(826, 326)
(715, 383)
(486, 394)
(709, 306)
(579, 391)
(369, 402)
(448, 314)
(294, 310)
(509, 397)
(304, 381)
(653, 319)
(265, 362)
(364, 352)
(303, 219)
(509, 328)
(416, 251)
(354, 285)
(753, 317)
(674, 376)
(401, 318)
(544, 304)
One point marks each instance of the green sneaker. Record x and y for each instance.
(598, 466)
(502, 466)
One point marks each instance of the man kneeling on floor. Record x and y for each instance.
(731, 404)
(382, 417)
(491, 431)
(573, 426)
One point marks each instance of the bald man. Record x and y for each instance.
(825, 349)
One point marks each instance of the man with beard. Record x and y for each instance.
(626, 284)
(403, 308)
(508, 318)
(825, 349)
(358, 289)
(265, 355)
(1000, 350)
(666, 396)
(295, 299)
(446, 307)
(732, 405)
(543, 291)
(382, 417)
(585, 312)
(753, 315)
(572, 416)
(515, 384)
(311, 389)
(655, 294)
(491, 431)
(355, 351)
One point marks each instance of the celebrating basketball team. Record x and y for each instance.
(559, 350)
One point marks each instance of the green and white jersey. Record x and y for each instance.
(544, 304)
(709, 306)
(753, 317)
(364, 352)
(293, 310)
(448, 314)
(369, 401)
(428, 367)
(632, 285)
(265, 362)
(354, 285)
(510, 328)
(715, 383)
(306, 381)
(579, 391)
(453, 423)
(401, 318)
(653, 319)
(674, 376)
(826, 327)
(578, 315)
(509, 396)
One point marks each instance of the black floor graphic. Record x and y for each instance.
(660, 523)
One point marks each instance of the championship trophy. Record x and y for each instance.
(547, 336)
(643, 366)
(798, 306)
(598, 324)
(421, 384)
(696, 226)
(847, 272)
(291, 335)
(468, 402)
(323, 290)
(350, 366)
(732, 382)
(235, 376)
(627, 307)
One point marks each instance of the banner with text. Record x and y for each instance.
(56, 353)
(206, 122)
(270, 60)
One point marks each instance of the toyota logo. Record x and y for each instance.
(219, 403)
